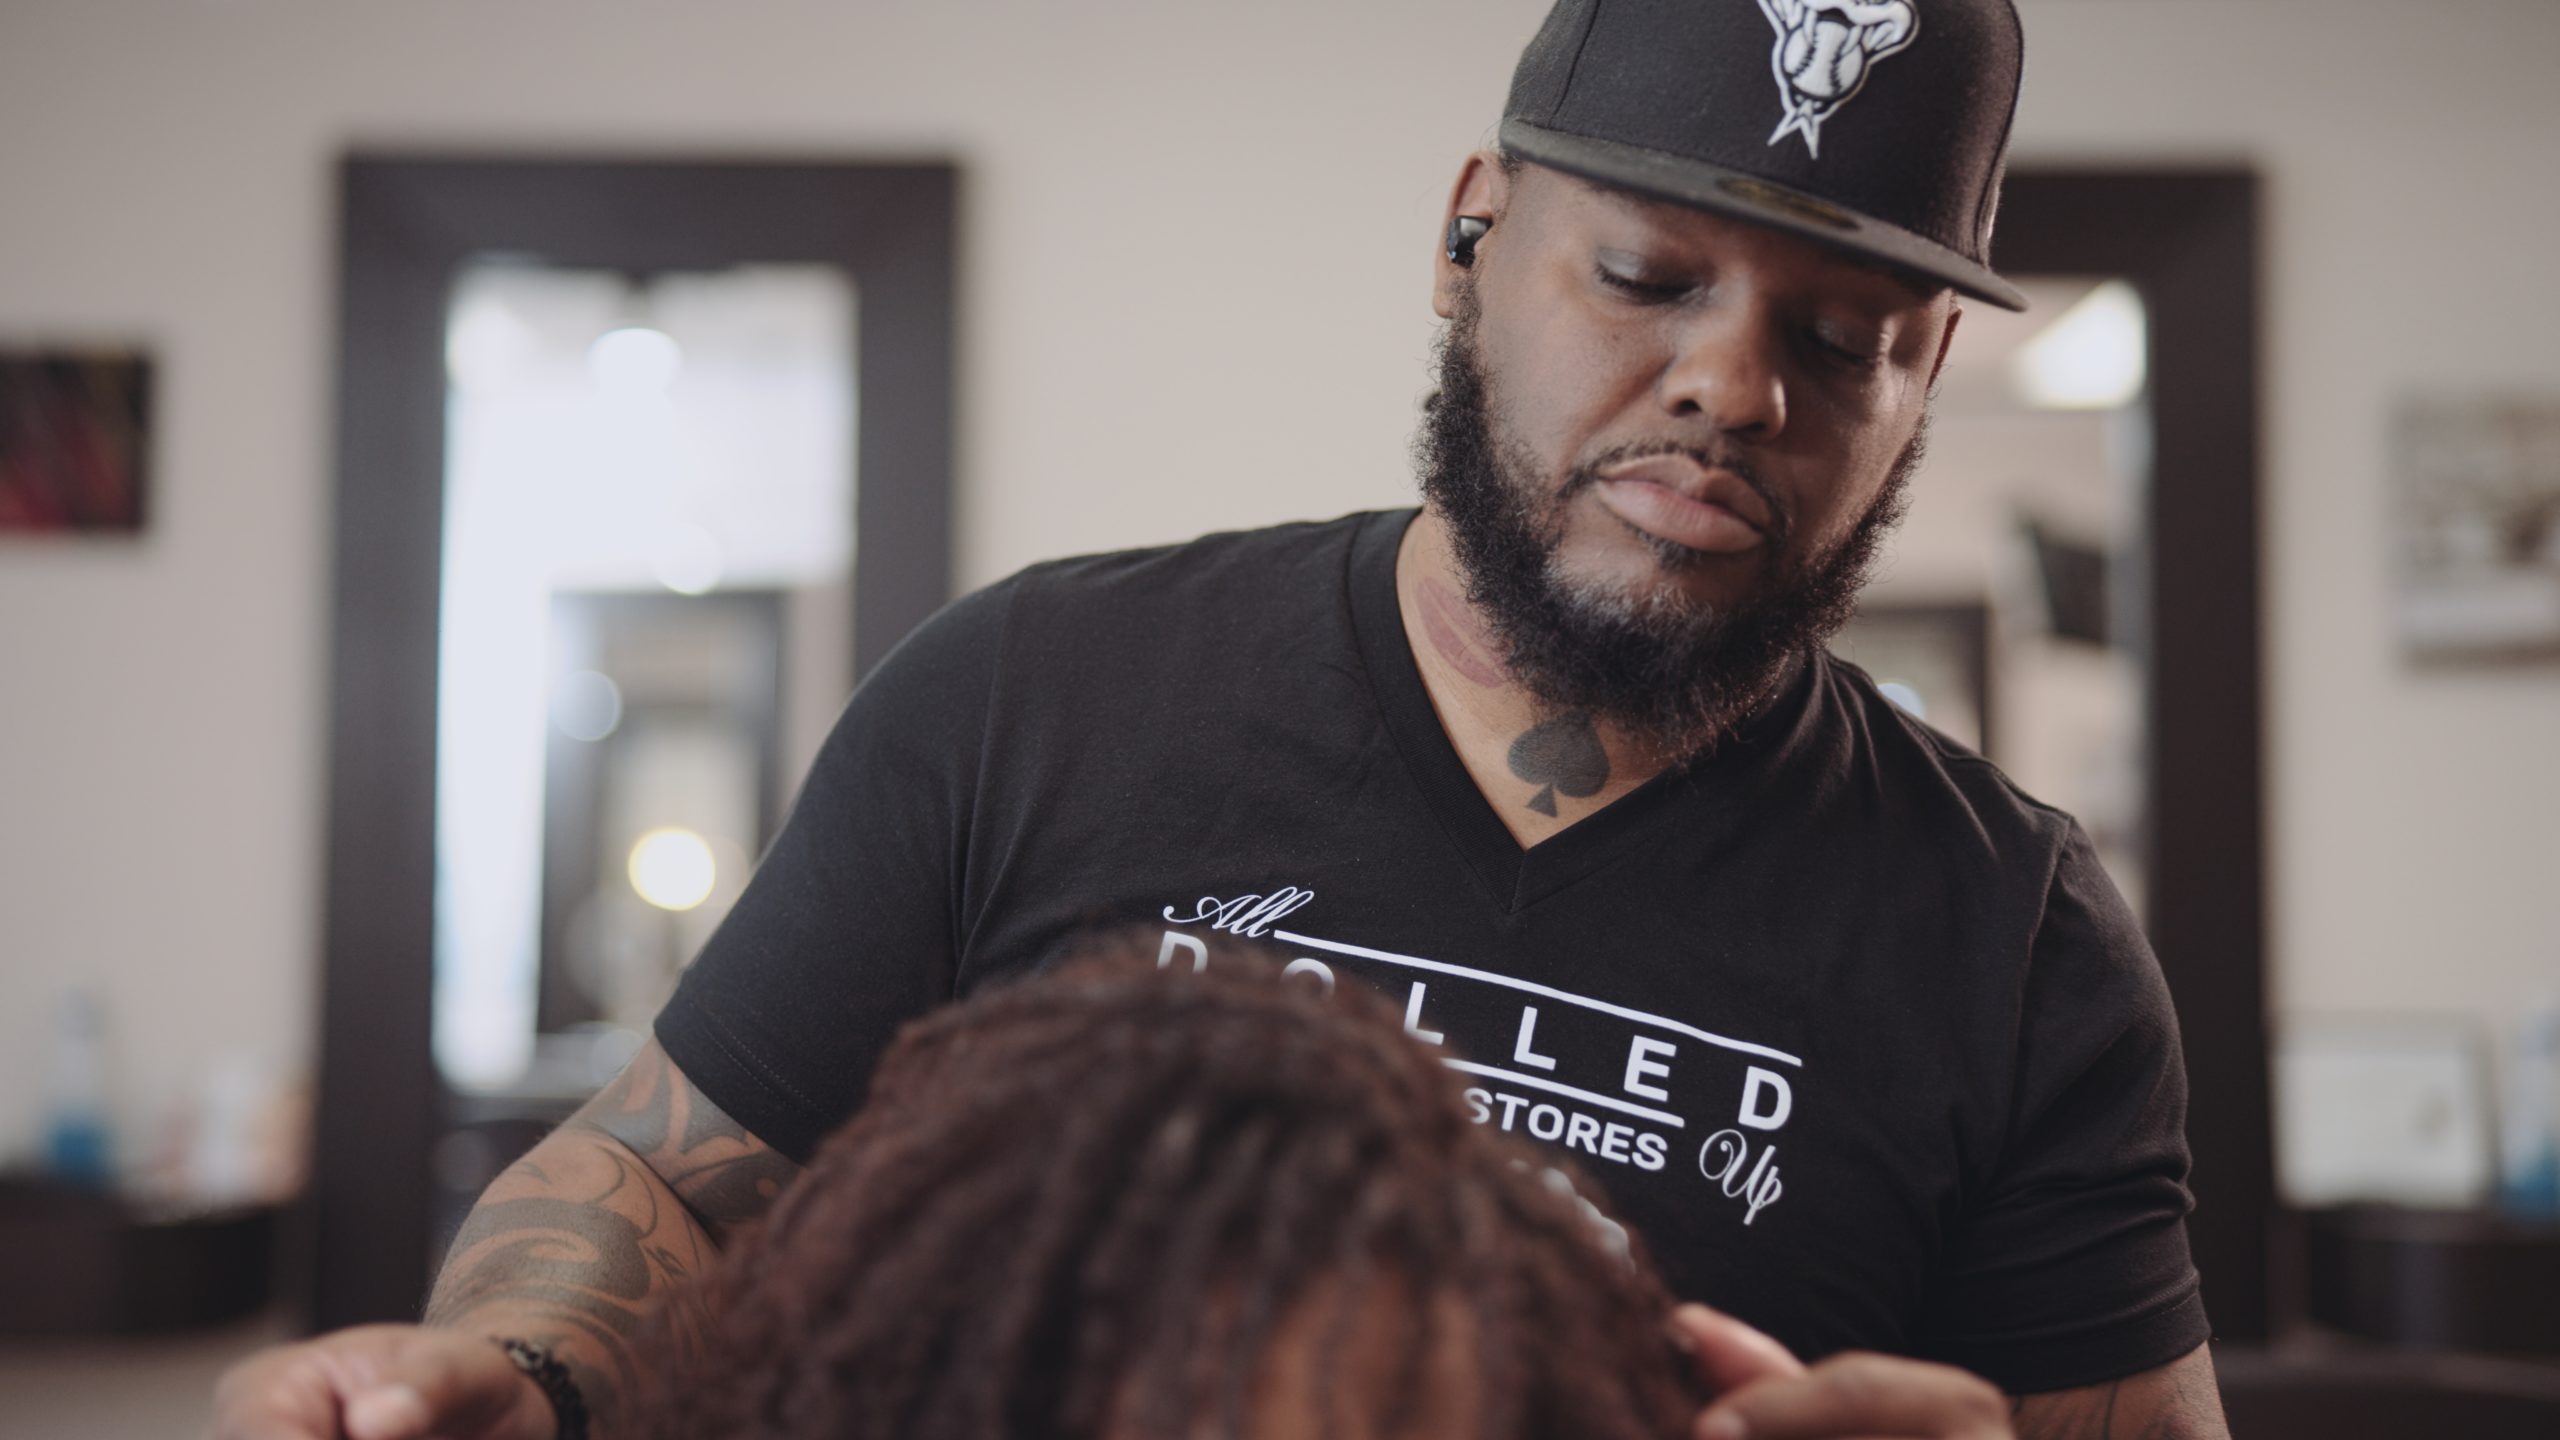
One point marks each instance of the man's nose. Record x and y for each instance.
(1726, 369)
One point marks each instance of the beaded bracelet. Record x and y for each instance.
(568, 1407)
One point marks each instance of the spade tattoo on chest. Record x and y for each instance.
(1561, 755)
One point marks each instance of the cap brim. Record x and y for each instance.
(1684, 181)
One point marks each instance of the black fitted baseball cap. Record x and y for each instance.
(1880, 127)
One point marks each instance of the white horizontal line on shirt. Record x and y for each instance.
(1613, 1102)
(1533, 988)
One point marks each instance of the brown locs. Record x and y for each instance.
(1098, 1204)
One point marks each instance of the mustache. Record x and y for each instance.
(1717, 456)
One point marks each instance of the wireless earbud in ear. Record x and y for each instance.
(1464, 232)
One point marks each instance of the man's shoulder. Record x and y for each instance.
(1273, 562)
(1928, 774)
(1197, 607)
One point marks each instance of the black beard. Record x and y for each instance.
(1671, 673)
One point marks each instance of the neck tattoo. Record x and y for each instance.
(1562, 754)
(1457, 635)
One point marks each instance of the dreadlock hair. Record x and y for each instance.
(1121, 1202)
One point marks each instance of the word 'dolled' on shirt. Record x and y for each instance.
(1616, 1085)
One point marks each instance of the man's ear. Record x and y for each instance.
(1482, 191)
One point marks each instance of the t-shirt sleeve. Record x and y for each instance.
(849, 927)
(2070, 1265)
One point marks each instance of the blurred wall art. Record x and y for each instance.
(2479, 490)
(74, 441)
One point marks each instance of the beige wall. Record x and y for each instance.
(1197, 240)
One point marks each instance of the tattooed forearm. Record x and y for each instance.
(724, 1175)
(604, 1222)
(2178, 1401)
(571, 1250)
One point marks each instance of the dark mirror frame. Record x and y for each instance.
(2187, 239)
(407, 224)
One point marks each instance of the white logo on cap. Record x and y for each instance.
(1823, 53)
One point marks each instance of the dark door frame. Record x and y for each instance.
(2188, 240)
(406, 225)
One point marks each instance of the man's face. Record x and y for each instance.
(1699, 426)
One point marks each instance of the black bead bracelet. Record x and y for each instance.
(548, 1375)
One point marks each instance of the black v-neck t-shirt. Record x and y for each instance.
(1857, 1036)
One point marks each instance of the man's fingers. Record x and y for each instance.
(295, 1392)
(443, 1382)
(274, 1396)
(388, 1412)
(1730, 1353)
(1861, 1395)
(381, 1382)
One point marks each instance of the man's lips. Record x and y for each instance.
(1674, 498)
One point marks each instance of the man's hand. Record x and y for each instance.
(573, 1248)
(381, 1382)
(1764, 1393)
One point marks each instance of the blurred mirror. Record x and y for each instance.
(645, 629)
(2009, 610)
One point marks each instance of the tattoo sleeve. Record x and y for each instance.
(722, 1175)
(2178, 1401)
(605, 1220)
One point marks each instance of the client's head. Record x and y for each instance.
(1129, 1203)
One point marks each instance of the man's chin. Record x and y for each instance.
(1645, 578)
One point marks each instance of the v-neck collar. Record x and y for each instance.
(1515, 878)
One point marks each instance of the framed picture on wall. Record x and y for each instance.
(2383, 1109)
(74, 441)
(2478, 489)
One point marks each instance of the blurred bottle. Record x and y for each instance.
(2530, 1188)
(77, 1150)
